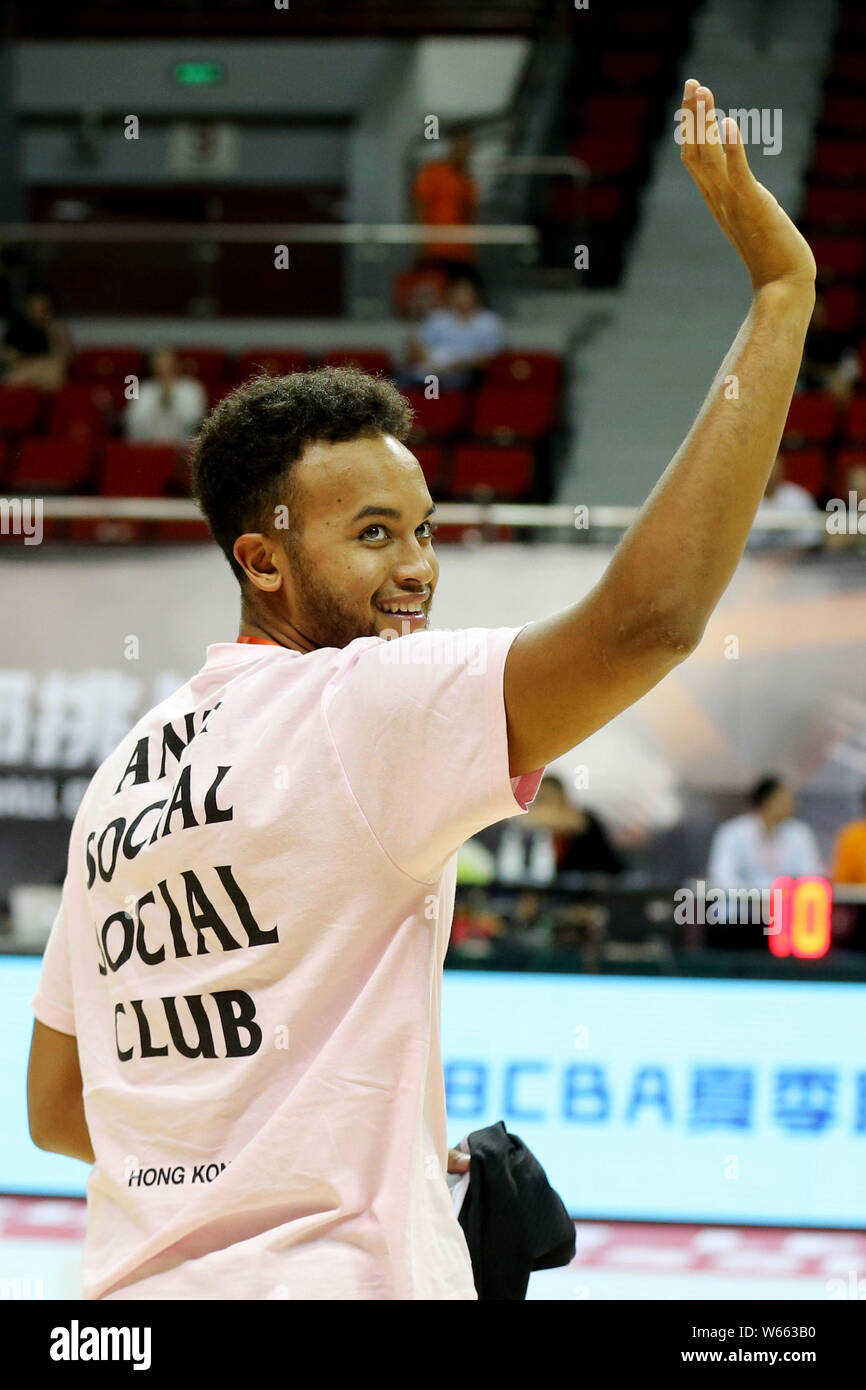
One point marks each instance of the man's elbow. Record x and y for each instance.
(670, 637)
(40, 1135)
(680, 639)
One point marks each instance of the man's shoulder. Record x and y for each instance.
(735, 827)
(438, 316)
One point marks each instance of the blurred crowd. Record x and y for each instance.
(559, 856)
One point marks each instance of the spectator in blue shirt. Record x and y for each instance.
(454, 344)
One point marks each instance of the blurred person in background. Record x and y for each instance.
(558, 838)
(829, 364)
(752, 850)
(456, 343)
(36, 347)
(444, 194)
(170, 407)
(782, 496)
(849, 850)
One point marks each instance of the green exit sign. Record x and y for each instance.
(198, 74)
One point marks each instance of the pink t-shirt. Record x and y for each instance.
(249, 951)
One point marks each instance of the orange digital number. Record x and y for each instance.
(800, 917)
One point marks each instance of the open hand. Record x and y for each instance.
(761, 233)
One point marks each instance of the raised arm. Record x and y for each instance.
(567, 676)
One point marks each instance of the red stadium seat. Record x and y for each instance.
(841, 160)
(842, 304)
(639, 26)
(439, 418)
(852, 27)
(107, 366)
(138, 470)
(842, 257)
(79, 413)
(205, 364)
(608, 155)
(812, 416)
(844, 113)
(615, 111)
(373, 360)
(541, 370)
(806, 467)
(625, 68)
(277, 361)
(19, 409)
(507, 414)
(856, 422)
(431, 459)
(505, 473)
(604, 203)
(52, 465)
(850, 68)
(839, 207)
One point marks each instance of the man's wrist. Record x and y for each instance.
(791, 295)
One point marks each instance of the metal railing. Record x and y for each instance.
(275, 233)
(557, 517)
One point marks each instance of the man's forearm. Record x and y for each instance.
(678, 556)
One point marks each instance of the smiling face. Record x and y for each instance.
(361, 547)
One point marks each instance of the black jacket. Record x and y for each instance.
(513, 1220)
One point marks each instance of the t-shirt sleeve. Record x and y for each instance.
(419, 727)
(52, 1003)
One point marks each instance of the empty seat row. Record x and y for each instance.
(815, 415)
(53, 465)
(477, 471)
(60, 466)
(111, 366)
(822, 471)
(84, 413)
(839, 160)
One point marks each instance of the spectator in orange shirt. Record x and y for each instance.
(444, 194)
(849, 851)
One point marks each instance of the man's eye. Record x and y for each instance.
(431, 526)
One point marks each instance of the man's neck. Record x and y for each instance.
(273, 630)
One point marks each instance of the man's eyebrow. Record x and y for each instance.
(387, 511)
